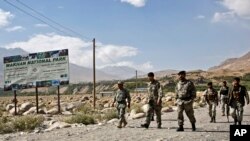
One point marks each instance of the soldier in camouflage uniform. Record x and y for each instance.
(185, 95)
(154, 100)
(237, 96)
(120, 98)
(224, 98)
(211, 96)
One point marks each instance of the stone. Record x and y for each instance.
(168, 98)
(107, 105)
(32, 110)
(145, 108)
(195, 105)
(9, 107)
(66, 113)
(52, 111)
(167, 109)
(26, 106)
(112, 120)
(139, 115)
(12, 111)
(58, 125)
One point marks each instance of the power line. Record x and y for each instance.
(51, 20)
(43, 21)
(20, 9)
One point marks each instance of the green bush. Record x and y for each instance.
(81, 118)
(6, 128)
(111, 115)
(85, 109)
(27, 123)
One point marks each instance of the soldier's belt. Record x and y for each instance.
(185, 98)
(121, 102)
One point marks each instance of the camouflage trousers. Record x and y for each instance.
(153, 108)
(121, 108)
(224, 105)
(212, 109)
(237, 112)
(188, 108)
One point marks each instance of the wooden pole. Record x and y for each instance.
(58, 99)
(15, 102)
(37, 108)
(136, 81)
(94, 75)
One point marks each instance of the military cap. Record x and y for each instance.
(151, 74)
(182, 72)
(120, 82)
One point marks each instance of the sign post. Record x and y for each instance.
(58, 99)
(15, 102)
(37, 107)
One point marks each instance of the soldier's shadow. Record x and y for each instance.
(212, 131)
(169, 119)
(148, 127)
(224, 122)
(201, 130)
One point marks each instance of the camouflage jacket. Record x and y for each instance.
(238, 94)
(154, 91)
(185, 91)
(211, 95)
(121, 96)
(224, 91)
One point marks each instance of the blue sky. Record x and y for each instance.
(148, 35)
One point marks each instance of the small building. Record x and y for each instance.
(106, 94)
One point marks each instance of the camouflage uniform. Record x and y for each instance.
(154, 93)
(211, 97)
(120, 98)
(237, 102)
(224, 100)
(185, 94)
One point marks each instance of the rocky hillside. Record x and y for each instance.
(241, 64)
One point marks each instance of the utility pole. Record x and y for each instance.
(136, 81)
(94, 78)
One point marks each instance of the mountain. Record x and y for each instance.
(80, 74)
(162, 73)
(241, 64)
(123, 72)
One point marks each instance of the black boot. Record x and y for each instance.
(159, 126)
(193, 127)
(145, 125)
(180, 128)
(152, 118)
(235, 121)
(239, 123)
(211, 120)
(214, 120)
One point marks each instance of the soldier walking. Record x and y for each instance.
(224, 98)
(211, 97)
(185, 95)
(154, 100)
(122, 99)
(237, 96)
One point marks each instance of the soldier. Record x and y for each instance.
(185, 95)
(120, 98)
(236, 100)
(224, 98)
(154, 100)
(211, 97)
